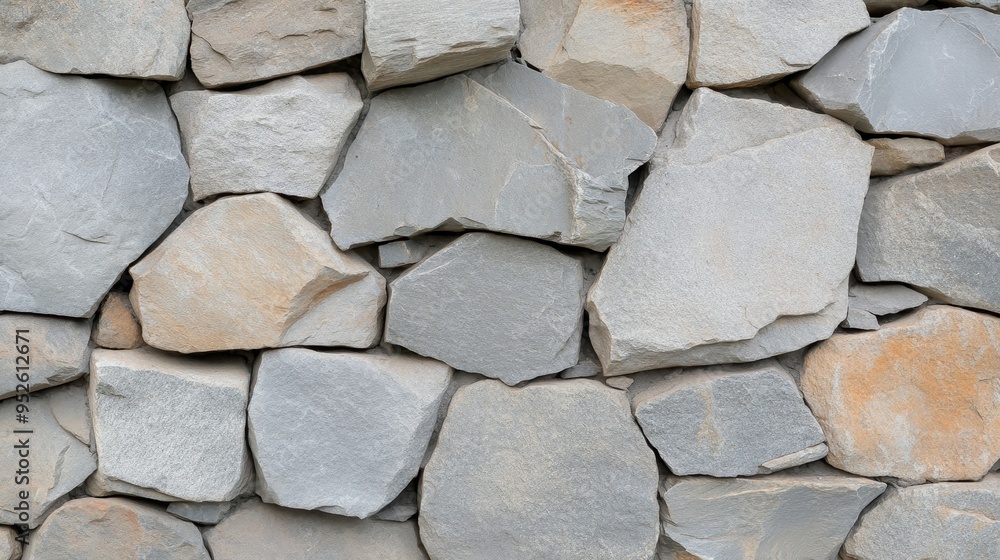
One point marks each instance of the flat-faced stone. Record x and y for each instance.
(868, 301)
(410, 251)
(57, 350)
(95, 186)
(116, 326)
(10, 547)
(916, 400)
(71, 409)
(254, 272)
(895, 155)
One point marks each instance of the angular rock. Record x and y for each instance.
(205, 513)
(750, 43)
(740, 244)
(459, 379)
(895, 155)
(259, 530)
(915, 400)
(581, 483)
(868, 300)
(880, 80)
(96, 186)
(58, 350)
(113, 37)
(403, 507)
(991, 5)
(114, 528)
(523, 154)
(728, 421)
(802, 513)
(882, 7)
(352, 442)
(937, 230)
(116, 326)
(10, 548)
(634, 53)
(171, 424)
(946, 520)
(71, 409)
(861, 320)
(412, 41)
(410, 251)
(284, 136)
(507, 308)
(240, 41)
(588, 364)
(254, 272)
(100, 486)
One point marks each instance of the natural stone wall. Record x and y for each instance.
(499, 280)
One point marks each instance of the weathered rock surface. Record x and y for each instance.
(882, 7)
(96, 186)
(10, 548)
(58, 350)
(867, 301)
(581, 483)
(991, 5)
(259, 530)
(882, 80)
(634, 53)
(352, 442)
(114, 529)
(895, 155)
(253, 272)
(404, 507)
(70, 408)
(740, 244)
(172, 424)
(750, 43)
(412, 41)
(938, 230)
(728, 421)
(205, 513)
(507, 308)
(803, 513)
(239, 41)
(526, 155)
(116, 326)
(947, 520)
(114, 37)
(915, 400)
(284, 136)
(410, 251)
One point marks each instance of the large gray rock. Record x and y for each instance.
(882, 80)
(172, 424)
(58, 350)
(253, 271)
(239, 41)
(803, 513)
(554, 470)
(115, 37)
(746, 43)
(633, 53)
(412, 41)
(502, 148)
(739, 245)
(114, 529)
(95, 187)
(945, 520)
(352, 441)
(283, 137)
(507, 308)
(259, 530)
(938, 231)
(729, 421)
(868, 301)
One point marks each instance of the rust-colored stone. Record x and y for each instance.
(116, 326)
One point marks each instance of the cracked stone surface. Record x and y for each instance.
(58, 350)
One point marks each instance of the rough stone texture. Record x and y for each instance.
(727, 421)
(938, 230)
(747, 43)
(553, 470)
(205, 513)
(354, 440)
(172, 424)
(527, 156)
(412, 41)
(239, 41)
(10, 548)
(100, 486)
(803, 513)
(253, 272)
(882, 7)
(904, 75)
(259, 530)
(507, 308)
(96, 186)
(410, 251)
(114, 529)
(866, 301)
(116, 326)
(404, 507)
(58, 350)
(991, 5)
(284, 136)
(917, 400)
(69, 406)
(947, 520)
(740, 244)
(634, 53)
(895, 155)
(115, 37)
